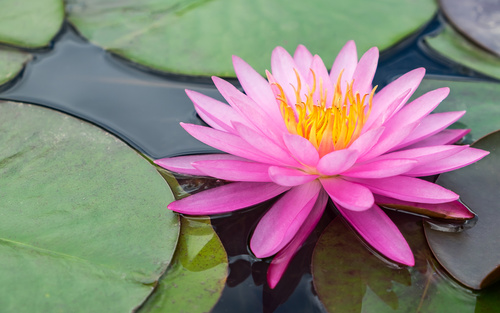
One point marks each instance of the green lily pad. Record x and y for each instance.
(197, 274)
(479, 99)
(349, 278)
(477, 20)
(84, 224)
(473, 255)
(11, 63)
(199, 37)
(453, 46)
(30, 24)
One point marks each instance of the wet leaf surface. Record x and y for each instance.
(30, 23)
(477, 20)
(84, 224)
(198, 37)
(478, 98)
(349, 278)
(473, 256)
(450, 45)
(197, 275)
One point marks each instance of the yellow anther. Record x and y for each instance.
(328, 126)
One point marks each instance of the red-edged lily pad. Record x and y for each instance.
(473, 256)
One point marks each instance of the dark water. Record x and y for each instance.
(144, 109)
(141, 108)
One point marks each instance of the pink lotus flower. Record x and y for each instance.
(309, 135)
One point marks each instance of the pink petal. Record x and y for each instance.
(265, 146)
(261, 121)
(301, 149)
(303, 59)
(235, 170)
(215, 113)
(380, 232)
(453, 162)
(227, 198)
(444, 137)
(226, 142)
(366, 141)
(322, 80)
(424, 154)
(348, 194)
(337, 162)
(183, 164)
(282, 259)
(408, 189)
(447, 210)
(385, 97)
(289, 176)
(382, 118)
(380, 169)
(430, 125)
(283, 65)
(390, 137)
(346, 61)
(419, 108)
(257, 88)
(281, 223)
(229, 92)
(363, 75)
(256, 117)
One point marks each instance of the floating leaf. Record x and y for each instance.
(451, 45)
(197, 274)
(478, 98)
(32, 23)
(11, 63)
(84, 224)
(199, 37)
(348, 278)
(81, 79)
(473, 256)
(476, 19)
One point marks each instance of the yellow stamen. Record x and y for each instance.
(328, 126)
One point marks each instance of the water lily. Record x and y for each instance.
(310, 135)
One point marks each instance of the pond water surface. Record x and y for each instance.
(144, 109)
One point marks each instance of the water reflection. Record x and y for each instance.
(247, 276)
(348, 278)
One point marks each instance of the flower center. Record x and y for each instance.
(328, 125)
